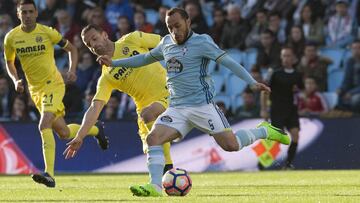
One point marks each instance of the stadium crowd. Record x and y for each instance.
(324, 35)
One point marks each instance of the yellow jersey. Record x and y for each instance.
(145, 84)
(35, 50)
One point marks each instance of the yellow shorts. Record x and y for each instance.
(143, 131)
(49, 99)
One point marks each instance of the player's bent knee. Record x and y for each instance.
(153, 139)
(147, 116)
(231, 147)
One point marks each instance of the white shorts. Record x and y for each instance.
(207, 118)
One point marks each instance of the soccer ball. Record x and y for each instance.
(176, 182)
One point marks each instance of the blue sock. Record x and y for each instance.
(247, 137)
(155, 162)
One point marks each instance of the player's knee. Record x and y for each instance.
(147, 116)
(63, 134)
(231, 147)
(152, 139)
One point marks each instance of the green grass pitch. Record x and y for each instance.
(272, 186)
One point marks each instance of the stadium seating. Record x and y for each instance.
(152, 16)
(331, 99)
(335, 79)
(236, 102)
(250, 58)
(335, 54)
(223, 98)
(219, 82)
(235, 85)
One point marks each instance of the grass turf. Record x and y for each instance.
(273, 186)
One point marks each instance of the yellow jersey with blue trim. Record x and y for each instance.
(146, 84)
(35, 50)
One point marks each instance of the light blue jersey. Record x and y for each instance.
(188, 78)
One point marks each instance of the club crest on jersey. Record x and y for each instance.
(174, 66)
(125, 50)
(166, 119)
(38, 39)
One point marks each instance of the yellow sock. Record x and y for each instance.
(167, 154)
(48, 145)
(166, 146)
(74, 128)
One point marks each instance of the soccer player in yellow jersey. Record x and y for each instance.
(33, 44)
(147, 86)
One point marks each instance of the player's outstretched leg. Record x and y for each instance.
(275, 134)
(44, 178)
(102, 140)
(147, 190)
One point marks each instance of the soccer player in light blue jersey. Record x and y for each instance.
(187, 55)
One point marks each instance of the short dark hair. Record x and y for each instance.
(180, 11)
(356, 41)
(288, 47)
(89, 27)
(22, 2)
(269, 32)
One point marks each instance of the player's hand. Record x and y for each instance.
(70, 77)
(19, 86)
(260, 87)
(104, 60)
(73, 147)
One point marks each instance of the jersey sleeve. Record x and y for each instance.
(210, 49)
(156, 52)
(9, 52)
(103, 90)
(56, 37)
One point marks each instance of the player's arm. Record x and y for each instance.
(73, 59)
(136, 61)
(11, 70)
(132, 62)
(89, 120)
(241, 72)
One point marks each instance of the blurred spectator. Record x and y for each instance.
(127, 109)
(155, 4)
(75, 9)
(47, 16)
(349, 92)
(85, 71)
(19, 109)
(111, 108)
(312, 26)
(277, 27)
(96, 17)
(7, 96)
(310, 100)
(261, 24)
(269, 51)
(6, 25)
(296, 40)
(235, 30)
(116, 8)
(72, 102)
(249, 8)
(313, 65)
(276, 5)
(123, 27)
(198, 23)
(141, 24)
(89, 95)
(250, 107)
(78, 43)
(340, 26)
(65, 25)
(160, 26)
(224, 110)
(8, 7)
(217, 28)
